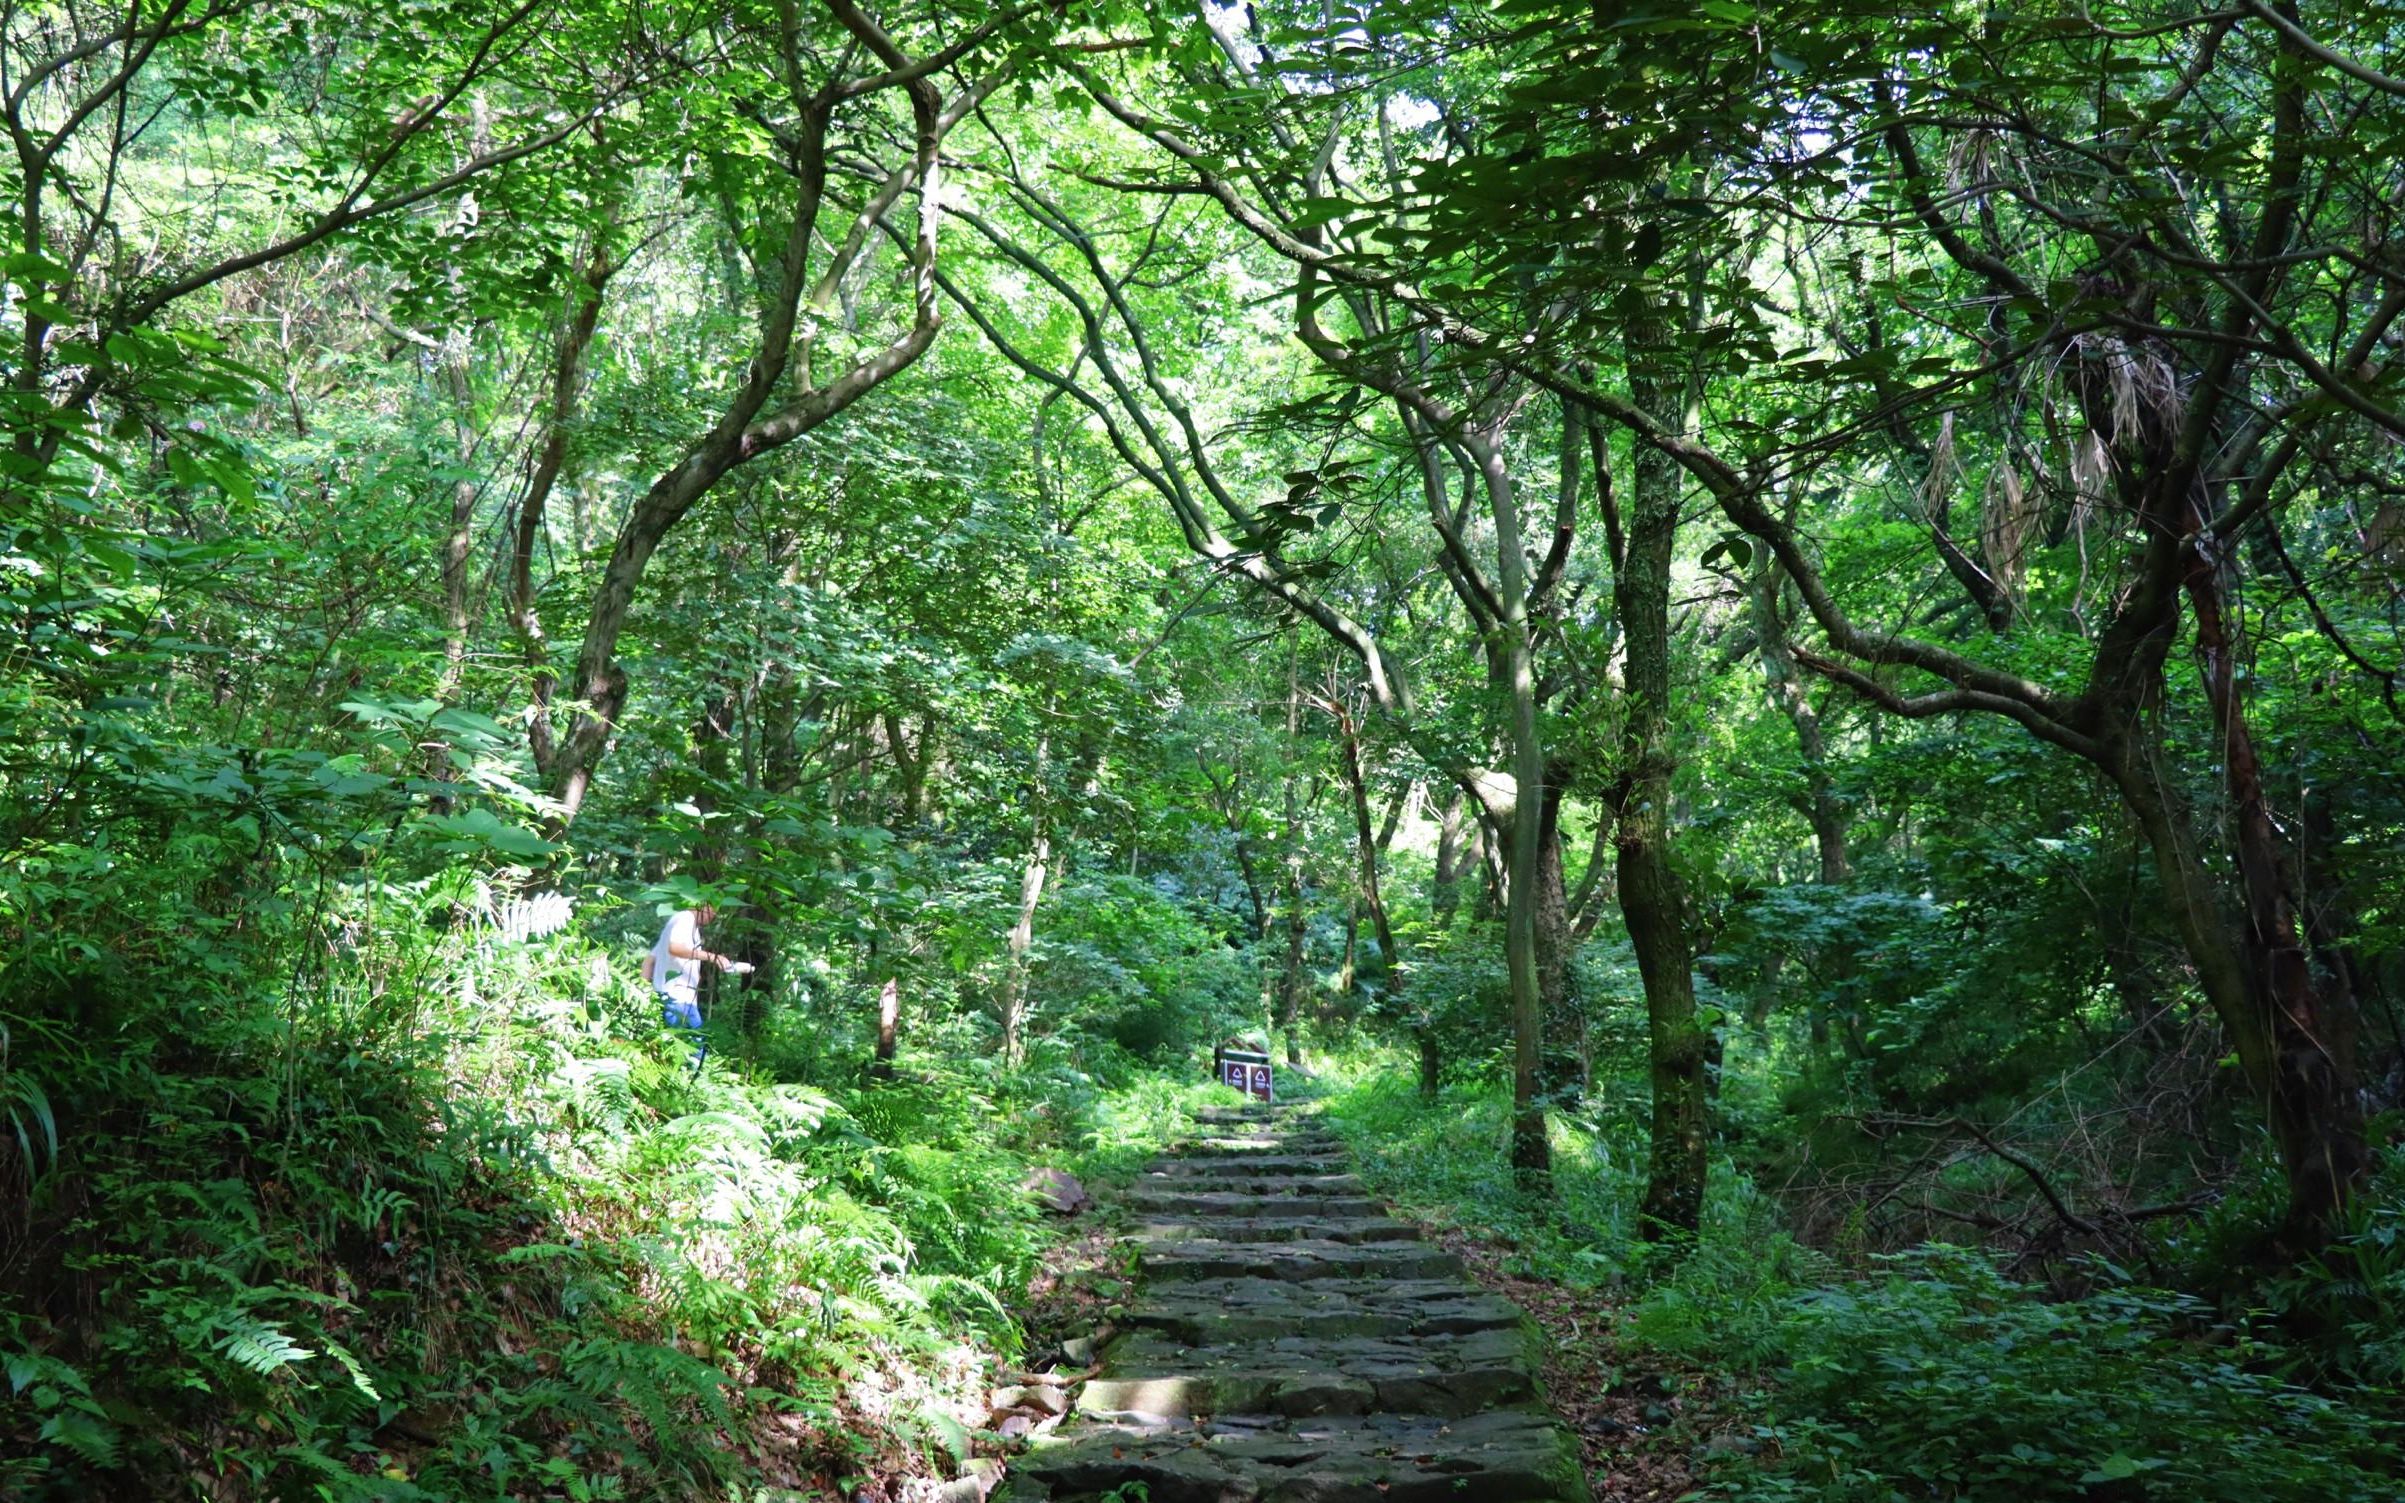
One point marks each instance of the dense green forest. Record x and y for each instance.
(1763, 640)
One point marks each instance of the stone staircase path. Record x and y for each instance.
(1292, 1343)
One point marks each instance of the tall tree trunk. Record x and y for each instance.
(1367, 844)
(2294, 1040)
(1833, 966)
(1784, 684)
(1455, 839)
(1012, 1006)
(1523, 941)
(889, 1024)
(2311, 1027)
(2307, 1102)
(1651, 899)
(460, 540)
(1562, 1078)
(575, 339)
(1291, 980)
(467, 437)
(1455, 853)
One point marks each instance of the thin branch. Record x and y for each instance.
(2303, 41)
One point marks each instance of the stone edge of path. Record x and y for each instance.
(1513, 1442)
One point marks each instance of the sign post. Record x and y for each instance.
(1245, 1069)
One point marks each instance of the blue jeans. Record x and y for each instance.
(680, 1011)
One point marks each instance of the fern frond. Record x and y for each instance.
(350, 1364)
(261, 1346)
(655, 1380)
(92, 1439)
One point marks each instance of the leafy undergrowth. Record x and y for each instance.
(1756, 1364)
(1638, 1413)
(488, 1236)
(1630, 1409)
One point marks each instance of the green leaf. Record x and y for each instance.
(25, 267)
(2120, 1467)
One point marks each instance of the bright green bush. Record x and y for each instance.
(1943, 1378)
(451, 1219)
(1939, 1377)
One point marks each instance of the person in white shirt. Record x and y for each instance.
(675, 971)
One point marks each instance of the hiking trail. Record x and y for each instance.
(1289, 1342)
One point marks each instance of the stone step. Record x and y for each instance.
(1310, 1258)
(1211, 1312)
(1225, 1203)
(1252, 1165)
(1151, 1374)
(1293, 1343)
(1219, 1147)
(1503, 1456)
(1257, 1112)
(1173, 1181)
(1315, 1226)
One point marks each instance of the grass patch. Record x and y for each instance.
(1936, 1376)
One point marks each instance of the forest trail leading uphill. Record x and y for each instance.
(1291, 1343)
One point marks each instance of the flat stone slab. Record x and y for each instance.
(1308, 1258)
(1268, 1143)
(1258, 1112)
(1210, 1312)
(1293, 1343)
(1502, 1456)
(1240, 1203)
(1150, 1373)
(1314, 1225)
(1176, 1178)
(1253, 1165)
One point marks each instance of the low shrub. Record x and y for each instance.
(1938, 1376)
(1943, 1378)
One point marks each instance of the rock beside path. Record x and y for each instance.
(1291, 1343)
(1058, 1191)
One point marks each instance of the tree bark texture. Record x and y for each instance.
(1651, 899)
(1561, 1078)
(889, 1023)
(1011, 1007)
(764, 414)
(1367, 845)
(2311, 1027)
(1455, 852)
(1292, 982)
(568, 353)
(1784, 684)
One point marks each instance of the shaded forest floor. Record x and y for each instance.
(1752, 1364)
(1286, 1339)
(1637, 1417)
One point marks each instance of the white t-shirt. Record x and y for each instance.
(673, 972)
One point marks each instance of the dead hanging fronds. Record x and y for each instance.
(2129, 390)
(1937, 483)
(2009, 514)
(1971, 161)
(2090, 466)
